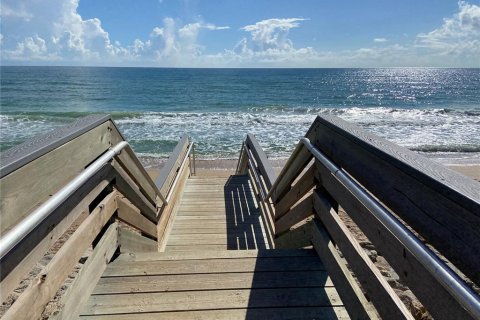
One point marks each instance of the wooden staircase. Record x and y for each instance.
(234, 284)
(205, 274)
(213, 245)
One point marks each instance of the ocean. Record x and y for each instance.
(433, 111)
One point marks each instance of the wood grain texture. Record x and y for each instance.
(86, 280)
(436, 202)
(261, 159)
(137, 268)
(139, 175)
(357, 305)
(216, 254)
(388, 304)
(172, 166)
(22, 258)
(168, 212)
(298, 313)
(290, 172)
(204, 300)
(32, 184)
(300, 212)
(231, 210)
(32, 301)
(432, 295)
(131, 215)
(213, 281)
(298, 237)
(300, 188)
(19, 155)
(127, 187)
(131, 241)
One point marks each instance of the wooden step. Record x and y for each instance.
(278, 284)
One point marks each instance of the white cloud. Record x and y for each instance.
(14, 10)
(459, 35)
(53, 30)
(37, 32)
(272, 33)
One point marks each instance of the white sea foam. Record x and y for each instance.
(279, 129)
(219, 134)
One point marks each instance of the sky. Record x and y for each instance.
(243, 33)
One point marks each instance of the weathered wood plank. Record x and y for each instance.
(19, 155)
(172, 166)
(205, 300)
(432, 295)
(436, 202)
(131, 215)
(252, 240)
(201, 236)
(299, 313)
(352, 296)
(139, 175)
(130, 190)
(134, 242)
(32, 184)
(168, 212)
(298, 237)
(199, 247)
(290, 172)
(129, 268)
(262, 161)
(31, 302)
(388, 304)
(212, 281)
(85, 282)
(22, 258)
(226, 254)
(220, 230)
(301, 211)
(242, 161)
(300, 188)
(267, 213)
(239, 217)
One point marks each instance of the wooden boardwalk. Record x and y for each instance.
(217, 212)
(205, 274)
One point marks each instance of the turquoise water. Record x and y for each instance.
(431, 110)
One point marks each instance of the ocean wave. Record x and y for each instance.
(278, 128)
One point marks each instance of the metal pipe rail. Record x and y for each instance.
(438, 269)
(27, 225)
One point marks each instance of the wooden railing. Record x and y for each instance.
(399, 200)
(93, 214)
(253, 161)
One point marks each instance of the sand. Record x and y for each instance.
(470, 167)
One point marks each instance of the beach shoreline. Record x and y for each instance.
(466, 164)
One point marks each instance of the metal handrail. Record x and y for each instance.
(27, 225)
(452, 283)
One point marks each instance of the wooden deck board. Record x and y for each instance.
(211, 299)
(226, 204)
(233, 314)
(210, 281)
(197, 277)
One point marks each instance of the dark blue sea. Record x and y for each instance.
(424, 109)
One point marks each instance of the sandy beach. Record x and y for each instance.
(467, 166)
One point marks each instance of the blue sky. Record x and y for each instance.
(248, 33)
